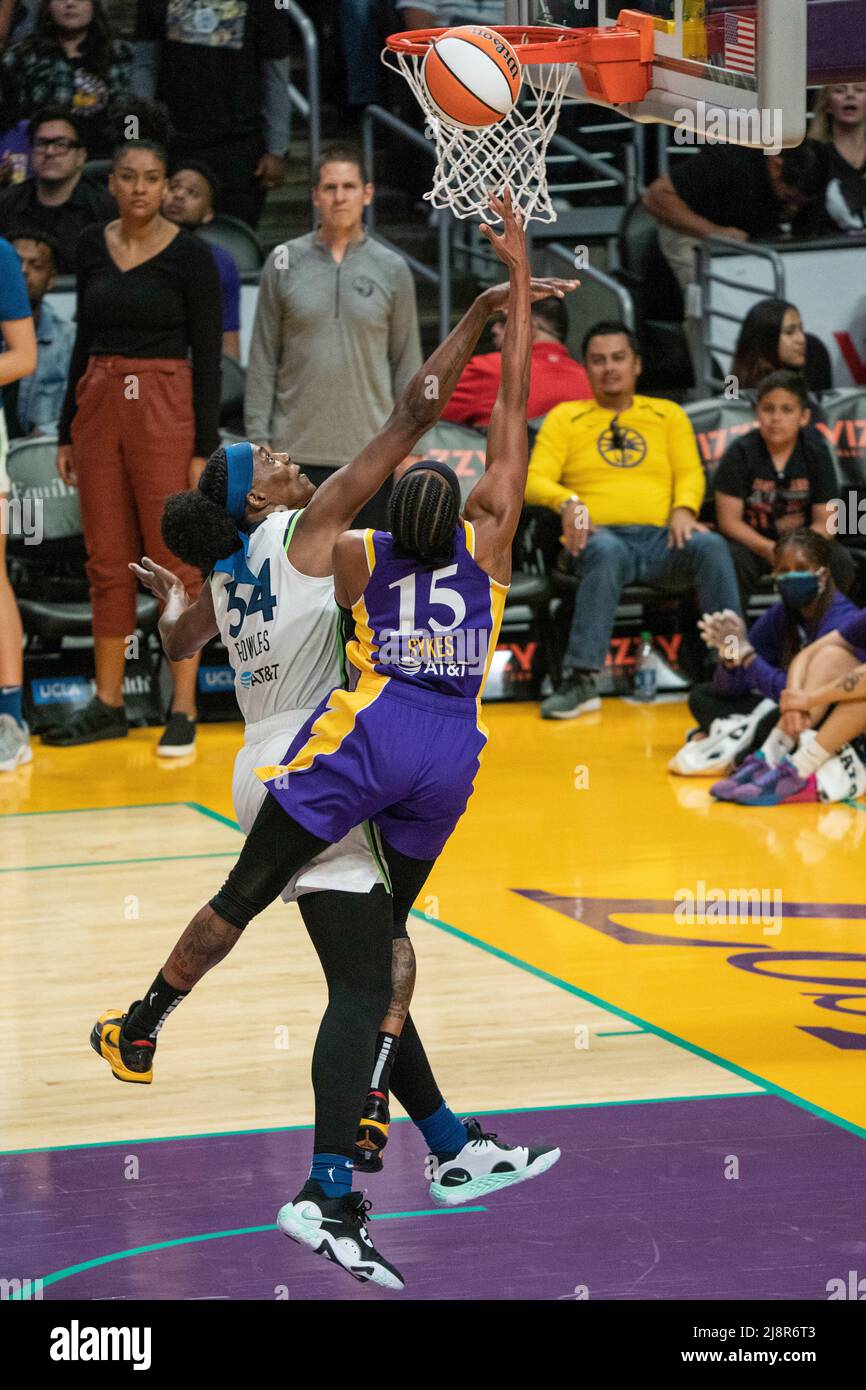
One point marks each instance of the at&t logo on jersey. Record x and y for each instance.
(261, 676)
(460, 653)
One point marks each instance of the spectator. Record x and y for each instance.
(223, 74)
(191, 199)
(752, 669)
(772, 338)
(335, 338)
(624, 474)
(810, 755)
(729, 190)
(33, 403)
(19, 359)
(59, 200)
(72, 59)
(555, 376)
(775, 480)
(840, 123)
(139, 419)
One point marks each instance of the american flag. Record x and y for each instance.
(740, 43)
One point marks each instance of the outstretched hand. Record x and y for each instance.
(159, 581)
(509, 245)
(497, 298)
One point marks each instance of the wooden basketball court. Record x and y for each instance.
(702, 1077)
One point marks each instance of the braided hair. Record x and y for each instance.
(195, 524)
(422, 515)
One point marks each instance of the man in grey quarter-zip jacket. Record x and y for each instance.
(335, 339)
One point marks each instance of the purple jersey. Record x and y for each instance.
(428, 626)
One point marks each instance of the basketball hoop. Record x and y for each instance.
(616, 67)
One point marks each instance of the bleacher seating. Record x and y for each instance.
(236, 237)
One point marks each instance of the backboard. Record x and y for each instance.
(724, 69)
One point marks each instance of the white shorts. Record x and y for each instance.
(4, 450)
(348, 867)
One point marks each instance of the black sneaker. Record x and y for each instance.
(577, 693)
(96, 721)
(178, 737)
(335, 1227)
(372, 1133)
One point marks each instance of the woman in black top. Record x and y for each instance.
(840, 122)
(140, 417)
(772, 338)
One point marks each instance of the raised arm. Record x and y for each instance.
(340, 498)
(495, 502)
(184, 627)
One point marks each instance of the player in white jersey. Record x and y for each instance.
(270, 595)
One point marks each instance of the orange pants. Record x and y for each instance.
(133, 436)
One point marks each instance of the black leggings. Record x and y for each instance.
(352, 934)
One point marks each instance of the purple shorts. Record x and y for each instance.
(405, 759)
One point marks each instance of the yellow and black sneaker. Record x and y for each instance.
(372, 1133)
(129, 1061)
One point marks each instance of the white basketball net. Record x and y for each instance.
(472, 163)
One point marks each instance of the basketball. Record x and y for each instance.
(472, 76)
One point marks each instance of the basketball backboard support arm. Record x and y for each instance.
(770, 106)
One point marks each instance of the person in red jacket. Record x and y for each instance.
(556, 377)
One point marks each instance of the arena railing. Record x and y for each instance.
(441, 277)
(309, 107)
(589, 272)
(710, 381)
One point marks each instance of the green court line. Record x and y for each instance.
(108, 863)
(68, 1272)
(89, 810)
(620, 1033)
(396, 1120)
(704, 1053)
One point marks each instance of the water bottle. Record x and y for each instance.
(646, 670)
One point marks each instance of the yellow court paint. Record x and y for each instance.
(582, 812)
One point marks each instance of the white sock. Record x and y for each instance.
(775, 746)
(809, 757)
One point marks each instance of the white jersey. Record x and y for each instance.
(283, 640)
(282, 635)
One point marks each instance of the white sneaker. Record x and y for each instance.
(715, 754)
(335, 1227)
(15, 748)
(482, 1166)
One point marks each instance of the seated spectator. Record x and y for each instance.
(839, 123)
(555, 376)
(752, 670)
(223, 74)
(624, 474)
(772, 338)
(191, 199)
(810, 755)
(733, 191)
(774, 480)
(71, 58)
(33, 403)
(59, 200)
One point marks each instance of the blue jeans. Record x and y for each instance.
(620, 555)
(362, 45)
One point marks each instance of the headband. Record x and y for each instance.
(239, 461)
(434, 466)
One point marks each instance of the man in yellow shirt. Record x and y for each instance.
(623, 472)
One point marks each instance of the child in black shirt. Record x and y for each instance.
(774, 480)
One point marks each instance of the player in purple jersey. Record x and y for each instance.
(388, 771)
